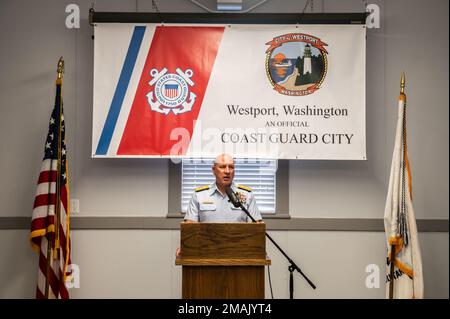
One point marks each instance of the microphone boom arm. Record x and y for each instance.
(237, 203)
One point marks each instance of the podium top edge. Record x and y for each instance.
(180, 261)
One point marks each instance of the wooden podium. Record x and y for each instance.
(223, 260)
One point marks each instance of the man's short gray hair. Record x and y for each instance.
(219, 157)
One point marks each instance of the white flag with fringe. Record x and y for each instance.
(404, 278)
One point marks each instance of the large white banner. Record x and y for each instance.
(254, 91)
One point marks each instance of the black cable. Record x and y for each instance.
(270, 281)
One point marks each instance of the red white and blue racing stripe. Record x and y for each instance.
(160, 87)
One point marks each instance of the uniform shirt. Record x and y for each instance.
(208, 205)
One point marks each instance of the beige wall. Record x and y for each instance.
(141, 264)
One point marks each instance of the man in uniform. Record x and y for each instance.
(211, 204)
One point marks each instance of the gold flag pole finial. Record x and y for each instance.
(402, 83)
(60, 68)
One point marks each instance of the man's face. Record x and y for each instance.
(223, 170)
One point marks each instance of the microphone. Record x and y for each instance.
(233, 197)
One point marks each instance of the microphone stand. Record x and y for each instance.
(293, 266)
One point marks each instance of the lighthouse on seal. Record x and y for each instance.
(307, 60)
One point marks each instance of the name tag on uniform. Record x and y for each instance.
(207, 206)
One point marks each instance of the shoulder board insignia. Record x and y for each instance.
(246, 188)
(202, 188)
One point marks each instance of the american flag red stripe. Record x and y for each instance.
(39, 223)
(47, 177)
(57, 288)
(44, 200)
(53, 263)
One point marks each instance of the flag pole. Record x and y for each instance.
(60, 71)
(391, 273)
(53, 241)
(393, 241)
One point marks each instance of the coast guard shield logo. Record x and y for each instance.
(296, 63)
(171, 91)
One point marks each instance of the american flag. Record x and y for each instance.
(50, 222)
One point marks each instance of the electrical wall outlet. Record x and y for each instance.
(74, 206)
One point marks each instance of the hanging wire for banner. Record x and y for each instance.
(156, 9)
(311, 3)
(306, 5)
(365, 4)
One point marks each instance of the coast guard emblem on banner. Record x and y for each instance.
(296, 63)
(171, 91)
